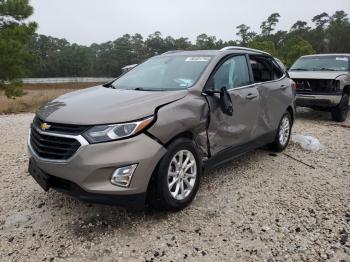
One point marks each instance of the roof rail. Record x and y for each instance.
(243, 48)
(172, 52)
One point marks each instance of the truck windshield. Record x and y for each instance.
(321, 63)
(164, 73)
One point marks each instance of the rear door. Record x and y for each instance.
(225, 131)
(274, 90)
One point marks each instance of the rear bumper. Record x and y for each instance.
(310, 100)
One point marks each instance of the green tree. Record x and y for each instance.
(267, 46)
(321, 20)
(338, 33)
(205, 42)
(300, 26)
(268, 26)
(293, 49)
(245, 34)
(155, 44)
(15, 34)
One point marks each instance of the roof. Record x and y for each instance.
(334, 54)
(228, 50)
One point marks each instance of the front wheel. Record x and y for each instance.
(340, 112)
(283, 133)
(177, 176)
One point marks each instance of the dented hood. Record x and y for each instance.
(100, 105)
(316, 74)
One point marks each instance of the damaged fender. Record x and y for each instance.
(187, 115)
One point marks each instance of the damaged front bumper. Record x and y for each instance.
(318, 100)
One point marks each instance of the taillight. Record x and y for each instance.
(294, 86)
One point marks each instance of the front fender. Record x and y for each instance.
(189, 115)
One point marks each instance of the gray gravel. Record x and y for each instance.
(261, 207)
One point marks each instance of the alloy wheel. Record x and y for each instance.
(284, 131)
(182, 174)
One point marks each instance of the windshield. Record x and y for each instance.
(164, 73)
(321, 63)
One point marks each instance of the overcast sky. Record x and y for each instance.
(89, 21)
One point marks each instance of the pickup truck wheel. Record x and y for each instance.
(283, 133)
(340, 112)
(177, 177)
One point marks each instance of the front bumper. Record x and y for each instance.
(91, 167)
(134, 201)
(311, 100)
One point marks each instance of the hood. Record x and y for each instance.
(316, 74)
(100, 105)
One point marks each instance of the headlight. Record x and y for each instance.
(105, 133)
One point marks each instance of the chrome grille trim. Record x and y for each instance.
(83, 143)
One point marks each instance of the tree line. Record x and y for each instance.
(23, 53)
(53, 57)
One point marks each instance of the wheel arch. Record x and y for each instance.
(291, 112)
(185, 134)
(152, 198)
(346, 90)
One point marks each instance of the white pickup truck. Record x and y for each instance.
(323, 83)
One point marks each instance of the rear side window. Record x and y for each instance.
(232, 73)
(277, 70)
(265, 69)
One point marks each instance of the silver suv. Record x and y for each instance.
(147, 136)
(323, 83)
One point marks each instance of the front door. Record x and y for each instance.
(225, 131)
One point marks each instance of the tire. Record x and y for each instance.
(162, 195)
(283, 133)
(340, 112)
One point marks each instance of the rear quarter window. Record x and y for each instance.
(265, 69)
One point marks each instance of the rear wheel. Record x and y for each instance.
(283, 133)
(340, 112)
(177, 177)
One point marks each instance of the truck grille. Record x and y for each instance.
(316, 86)
(53, 147)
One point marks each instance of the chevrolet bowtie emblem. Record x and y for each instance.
(44, 126)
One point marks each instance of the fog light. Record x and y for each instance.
(122, 176)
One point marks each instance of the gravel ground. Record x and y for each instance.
(260, 207)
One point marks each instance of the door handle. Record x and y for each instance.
(251, 96)
(283, 87)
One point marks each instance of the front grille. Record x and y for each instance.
(61, 128)
(316, 86)
(53, 147)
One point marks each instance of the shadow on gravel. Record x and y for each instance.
(222, 171)
(310, 114)
(88, 220)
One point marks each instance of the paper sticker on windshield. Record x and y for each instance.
(342, 59)
(197, 59)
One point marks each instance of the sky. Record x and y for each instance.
(97, 21)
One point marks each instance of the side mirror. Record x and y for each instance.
(226, 102)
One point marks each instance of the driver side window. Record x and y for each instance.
(231, 74)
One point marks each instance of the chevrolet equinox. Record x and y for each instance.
(147, 136)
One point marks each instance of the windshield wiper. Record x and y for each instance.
(326, 69)
(109, 85)
(141, 89)
(147, 89)
(299, 69)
